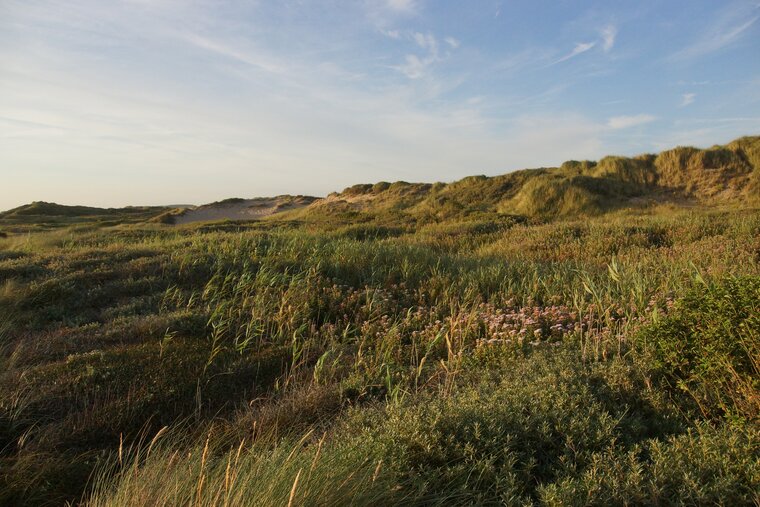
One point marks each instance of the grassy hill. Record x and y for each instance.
(679, 178)
(721, 175)
(45, 215)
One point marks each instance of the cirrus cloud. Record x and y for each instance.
(624, 122)
(687, 98)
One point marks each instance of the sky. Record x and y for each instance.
(143, 102)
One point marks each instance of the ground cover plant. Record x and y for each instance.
(451, 358)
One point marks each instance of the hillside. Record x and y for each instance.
(686, 177)
(40, 214)
(683, 176)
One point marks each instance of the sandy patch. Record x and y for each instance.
(244, 209)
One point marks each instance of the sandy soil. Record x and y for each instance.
(247, 209)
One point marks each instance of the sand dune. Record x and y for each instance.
(243, 209)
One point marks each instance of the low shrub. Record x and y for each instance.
(709, 347)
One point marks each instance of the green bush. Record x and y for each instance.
(538, 421)
(709, 347)
(539, 430)
(705, 466)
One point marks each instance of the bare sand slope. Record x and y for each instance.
(243, 209)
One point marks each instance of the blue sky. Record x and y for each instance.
(122, 102)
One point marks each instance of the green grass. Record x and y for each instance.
(471, 343)
(43, 216)
(477, 360)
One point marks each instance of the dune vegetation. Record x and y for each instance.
(679, 177)
(580, 335)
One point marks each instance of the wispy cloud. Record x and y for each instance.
(579, 48)
(391, 34)
(414, 67)
(426, 41)
(687, 99)
(247, 57)
(531, 57)
(735, 119)
(608, 34)
(402, 5)
(624, 122)
(451, 41)
(726, 30)
(417, 66)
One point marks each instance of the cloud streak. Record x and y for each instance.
(624, 122)
(452, 42)
(607, 36)
(416, 66)
(727, 30)
(608, 33)
(246, 57)
(579, 49)
(687, 99)
(402, 5)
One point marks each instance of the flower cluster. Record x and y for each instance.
(533, 324)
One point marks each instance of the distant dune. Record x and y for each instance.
(242, 209)
(682, 177)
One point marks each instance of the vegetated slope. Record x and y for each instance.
(48, 214)
(682, 176)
